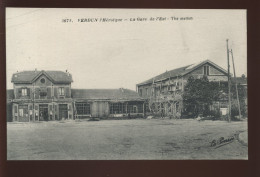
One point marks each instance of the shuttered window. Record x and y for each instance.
(61, 91)
(24, 91)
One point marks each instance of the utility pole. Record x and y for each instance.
(33, 111)
(229, 96)
(238, 103)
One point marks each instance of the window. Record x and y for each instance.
(43, 94)
(140, 108)
(83, 108)
(135, 108)
(140, 92)
(15, 108)
(42, 80)
(147, 91)
(206, 70)
(24, 91)
(117, 108)
(61, 91)
(153, 91)
(21, 112)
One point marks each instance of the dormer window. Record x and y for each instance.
(42, 80)
(61, 91)
(24, 91)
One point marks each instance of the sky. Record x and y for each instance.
(121, 54)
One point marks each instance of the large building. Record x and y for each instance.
(47, 95)
(42, 95)
(164, 91)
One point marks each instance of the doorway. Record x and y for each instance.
(23, 113)
(43, 112)
(63, 111)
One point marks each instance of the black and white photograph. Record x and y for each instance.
(126, 84)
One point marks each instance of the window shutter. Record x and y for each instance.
(67, 92)
(49, 93)
(56, 92)
(28, 92)
(19, 92)
(37, 93)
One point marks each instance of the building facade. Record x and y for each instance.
(106, 103)
(47, 95)
(164, 92)
(41, 95)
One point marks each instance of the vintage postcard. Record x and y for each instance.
(126, 84)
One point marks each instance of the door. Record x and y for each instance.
(100, 109)
(63, 111)
(23, 113)
(43, 112)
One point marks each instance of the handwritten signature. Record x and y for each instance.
(221, 141)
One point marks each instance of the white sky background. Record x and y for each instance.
(122, 54)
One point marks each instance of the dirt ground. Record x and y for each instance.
(154, 139)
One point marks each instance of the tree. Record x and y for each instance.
(242, 95)
(199, 94)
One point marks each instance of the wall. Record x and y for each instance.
(33, 99)
(214, 74)
(144, 87)
(37, 87)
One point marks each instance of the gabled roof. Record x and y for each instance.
(105, 94)
(180, 72)
(31, 76)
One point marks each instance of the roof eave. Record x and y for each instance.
(202, 63)
(159, 80)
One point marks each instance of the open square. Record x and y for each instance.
(155, 139)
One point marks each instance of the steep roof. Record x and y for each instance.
(105, 94)
(10, 94)
(180, 72)
(30, 76)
